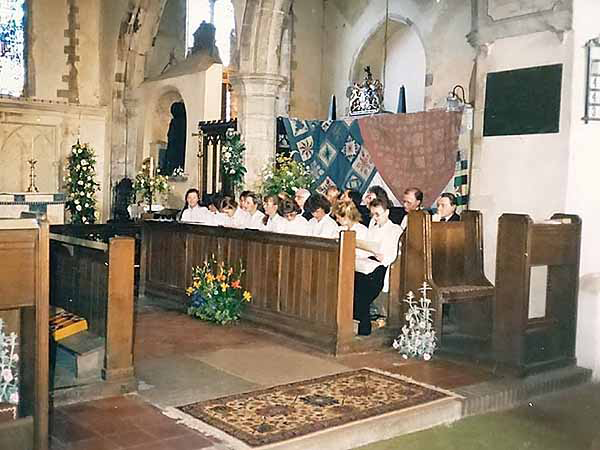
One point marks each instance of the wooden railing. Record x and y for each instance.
(95, 280)
(301, 287)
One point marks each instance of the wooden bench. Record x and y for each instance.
(523, 342)
(95, 280)
(449, 258)
(301, 287)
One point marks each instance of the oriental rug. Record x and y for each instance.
(291, 410)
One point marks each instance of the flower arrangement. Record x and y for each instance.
(285, 174)
(417, 338)
(9, 361)
(81, 184)
(216, 293)
(232, 159)
(178, 173)
(147, 184)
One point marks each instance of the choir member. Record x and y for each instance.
(294, 223)
(446, 209)
(231, 215)
(255, 216)
(192, 211)
(272, 221)
(382, 242)
(412, 200)
(321, 224)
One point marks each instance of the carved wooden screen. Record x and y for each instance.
(211, 137)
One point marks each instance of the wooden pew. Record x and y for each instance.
(449, 257)
(24, 307)
(301, 287)
(95, 280)
(522, 344)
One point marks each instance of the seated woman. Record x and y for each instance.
(321, 224)
(229, 215)
(272, 221)
(192, 211)
(294, 223)
(382, 243)
(255, 216)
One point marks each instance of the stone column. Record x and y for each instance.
(256, 119)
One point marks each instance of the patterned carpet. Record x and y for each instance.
(291, 410)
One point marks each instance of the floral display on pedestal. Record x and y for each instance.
(233, 167)
(417, 339)
(216, 293)
(285, 175)
(81, 184)
(9, 362)
(148, 185)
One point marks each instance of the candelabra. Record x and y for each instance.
(32, 187)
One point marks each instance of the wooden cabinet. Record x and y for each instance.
(24, 307)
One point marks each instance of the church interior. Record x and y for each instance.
(299, 224)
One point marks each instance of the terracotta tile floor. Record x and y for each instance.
(120, 423)
(130, 423)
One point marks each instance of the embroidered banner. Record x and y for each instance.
(333, 150)
(418, 149)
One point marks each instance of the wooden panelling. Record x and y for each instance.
(291, 278)
(17, 250)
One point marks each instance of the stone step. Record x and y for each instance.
(509, 393)
(85, 353)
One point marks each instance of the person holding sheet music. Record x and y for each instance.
(382, 243)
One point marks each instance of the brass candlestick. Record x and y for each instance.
(32, 187)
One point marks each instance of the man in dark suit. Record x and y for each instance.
(446, 209)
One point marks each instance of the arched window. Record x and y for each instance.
(12, 47)
(218, 12)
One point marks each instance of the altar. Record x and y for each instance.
(51, 204)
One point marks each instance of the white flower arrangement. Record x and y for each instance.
(9, 361)
(417, 338)
(178, 172)
(81, 184)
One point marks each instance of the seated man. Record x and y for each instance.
(412, 200)
(321, 224)
(446, 209)
(382, 241)
(300, 196)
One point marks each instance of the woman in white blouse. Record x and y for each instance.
(321, 224)
(231, 215)
(294, 223)
(192, 211)
(255, 216)
(349, 218)
(272, 221)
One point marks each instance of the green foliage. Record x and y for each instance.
(216, 293)
(81, 184)
(285, 175)
(232, 160)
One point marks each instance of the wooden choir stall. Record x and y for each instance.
(24, 252)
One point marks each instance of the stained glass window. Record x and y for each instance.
(12, 47)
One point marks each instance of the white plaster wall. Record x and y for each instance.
(49, 21)
(406, 65)
(583, 188)
(442, 28)
(307, 60)
(520, 174)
